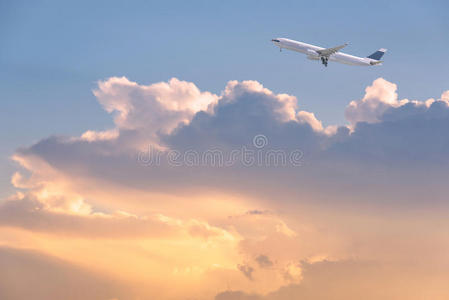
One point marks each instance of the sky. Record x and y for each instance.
(148, 145)
(53, 53)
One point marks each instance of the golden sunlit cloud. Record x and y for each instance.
(347, 222)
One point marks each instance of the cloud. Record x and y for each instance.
(141, 112)
(228, 121)
(31, 214)
(247, 270)
(445, 96)
(381, 99)
(32, 275)
(257, 212)
(385, 132)
(156, 107)
(352, 198)
(380, 96)
(236, 295)
(390, 140)
(245, 110)
(353, 280)
(264, 261)
(407, 132)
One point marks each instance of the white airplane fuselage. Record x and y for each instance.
(310, 51)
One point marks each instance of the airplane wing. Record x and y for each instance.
(329, 51)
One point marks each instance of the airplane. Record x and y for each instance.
(330, 54)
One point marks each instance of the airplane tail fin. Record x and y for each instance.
(378, 54)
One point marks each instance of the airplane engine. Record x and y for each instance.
(312, 53)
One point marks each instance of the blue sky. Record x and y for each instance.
(53, 53)
(241, 194)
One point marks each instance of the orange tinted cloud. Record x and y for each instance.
(352, 211)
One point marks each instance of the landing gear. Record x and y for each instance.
(324, 60)
(280, 49)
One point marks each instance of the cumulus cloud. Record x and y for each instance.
(227, 122)
(161, 106)
(397, 132)
(245, 110)
(353, 280)
(385, 131)
(329, 207)
(445, 96)
(380, 96)
(141, 112)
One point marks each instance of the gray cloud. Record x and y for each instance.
(409, 134)
(237, 295)
(264, 261)
(234, 122)
(246, 270)
(257, 212)
(383, 155)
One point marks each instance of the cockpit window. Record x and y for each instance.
(274, 40)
